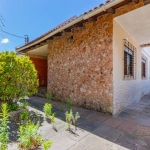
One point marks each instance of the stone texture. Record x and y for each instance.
(113, 122)
(128, 126)
(82, 70)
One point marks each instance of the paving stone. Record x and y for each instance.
(143, 148)
(94, 142)
(61, 142)
(78, 147)
(47, 134)
(76, 135)
(136, 140)
(86, 124)
(137, 106)
(88, 113)
(133, 111)
(143, 119)
(143, 130)
(125, 115)
(107, 132)
(113, 122)
(99, 118)
(128, 126)
(126, 143)
(117, 147)
(146, 139)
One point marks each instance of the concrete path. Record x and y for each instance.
(97, 131)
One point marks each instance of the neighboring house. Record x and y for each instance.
(100, 60)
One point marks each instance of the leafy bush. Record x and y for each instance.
(4, 135)
(69, 115)
(47, 109)
(24, 105)
(46, 145)
(24, 116)
(71, 118)
(13, 106)
(30, 139)
(18, 77)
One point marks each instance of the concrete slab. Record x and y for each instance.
(93, 142)
(61, 142)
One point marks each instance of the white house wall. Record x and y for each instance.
(126, 92)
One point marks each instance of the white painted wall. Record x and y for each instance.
(126, 92)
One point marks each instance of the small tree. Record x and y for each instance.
(18, 77)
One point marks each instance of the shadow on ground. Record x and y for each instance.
(130, 128)
(15, 123)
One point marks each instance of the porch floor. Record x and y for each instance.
(128, 130)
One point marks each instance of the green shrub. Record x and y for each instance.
(46, 144)
(30, 139)
(13, 106)
(69, 115)
(71, 118)
(18, 77)
(47, 109)
(24, 105)
(24, 117)
(4, 135)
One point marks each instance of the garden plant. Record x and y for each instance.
(18, 77)
(4, 120)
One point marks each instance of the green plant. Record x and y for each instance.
(49, 97)
(24, 117)
(47, 109)
(69, 115)
(53, 118)
(28, 137)
(24, 105)
(4, 135)
(61, 108)
(18, 77)
(46, 144)
(13, 106)
(75, 118)
(68, 105)
(71, 118)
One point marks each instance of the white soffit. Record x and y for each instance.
(40, 51)
(137, 24)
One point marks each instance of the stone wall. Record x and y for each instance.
(81, 68)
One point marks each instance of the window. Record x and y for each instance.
(129, 60)
(143, 67)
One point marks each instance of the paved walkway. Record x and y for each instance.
(97, 131)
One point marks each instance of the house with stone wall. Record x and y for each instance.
(100, 60)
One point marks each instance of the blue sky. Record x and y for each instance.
(35, 17)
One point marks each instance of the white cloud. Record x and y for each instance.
(4, 41)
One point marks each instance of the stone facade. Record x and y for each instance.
(80, 63)
(81, 68)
